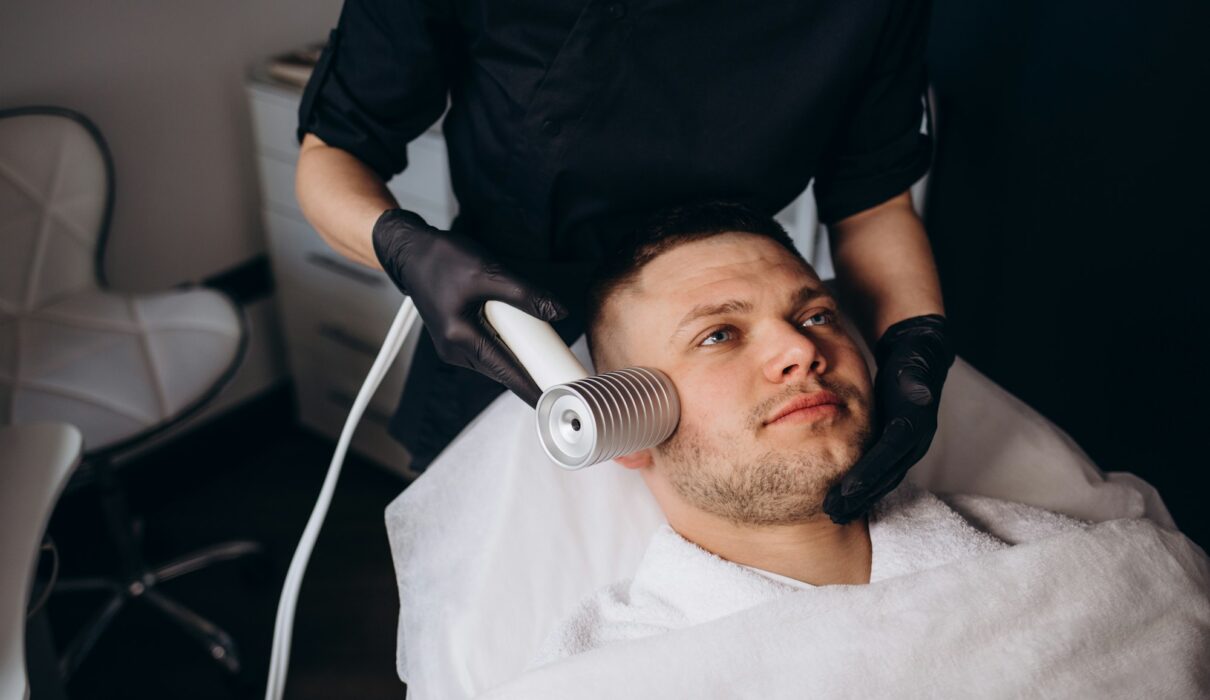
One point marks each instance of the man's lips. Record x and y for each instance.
(822, 397)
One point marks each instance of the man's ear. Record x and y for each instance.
(635, 460)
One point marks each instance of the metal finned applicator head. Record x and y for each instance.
(598, 418)
(585, 420)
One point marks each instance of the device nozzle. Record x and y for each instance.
(598, 418)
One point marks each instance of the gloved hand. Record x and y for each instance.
(913, 356)
(449, 277)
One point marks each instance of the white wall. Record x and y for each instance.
(163, 80)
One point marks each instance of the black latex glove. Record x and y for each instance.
(449, 277)
(913, 356)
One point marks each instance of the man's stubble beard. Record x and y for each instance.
(777, 487)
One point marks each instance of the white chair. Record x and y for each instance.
(121, 367)
(36, 461)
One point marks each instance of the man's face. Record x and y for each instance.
(743, 328)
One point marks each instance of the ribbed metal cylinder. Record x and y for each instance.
(608, 415)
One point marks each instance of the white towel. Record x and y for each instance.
(679, 584)
(1117, 609)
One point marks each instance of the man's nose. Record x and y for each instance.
(794, 354)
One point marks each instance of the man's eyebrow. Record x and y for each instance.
(706, 310)
(807, 293)
(797, 298)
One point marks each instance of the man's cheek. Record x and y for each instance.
(709, 398)
(852, 363)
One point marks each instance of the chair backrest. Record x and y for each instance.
(56, 198)
(36, 461)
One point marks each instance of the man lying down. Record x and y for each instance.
(751, 590)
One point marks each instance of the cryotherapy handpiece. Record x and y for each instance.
(584, 420)
(608, 415)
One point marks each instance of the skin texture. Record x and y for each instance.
(884, 266)
(749, 491)
(341, 198)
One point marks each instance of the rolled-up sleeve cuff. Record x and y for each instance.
(329, 111)
(883, 174)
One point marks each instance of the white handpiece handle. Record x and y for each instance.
(536, 344)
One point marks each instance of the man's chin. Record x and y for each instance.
(840, 440)
(780, 487)
(823, 468)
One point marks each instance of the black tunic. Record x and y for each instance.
(567, 120)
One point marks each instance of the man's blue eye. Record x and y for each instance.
(712, 334)
(826, 315)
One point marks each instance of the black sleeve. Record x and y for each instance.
(382, 80)
(879, 151)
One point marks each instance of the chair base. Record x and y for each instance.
(218, 644)
(138, 582)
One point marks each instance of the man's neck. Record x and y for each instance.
(817, 551)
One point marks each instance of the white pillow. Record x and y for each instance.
(494, 544)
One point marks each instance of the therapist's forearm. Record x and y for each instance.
(341, 198)
(884, 266)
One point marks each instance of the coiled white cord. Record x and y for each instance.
(283, 629)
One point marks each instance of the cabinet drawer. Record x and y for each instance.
(274, 120)
(333, 350)
(324, 407)
(277, 185)
(304, 263)
(335, 314)
(373, 442)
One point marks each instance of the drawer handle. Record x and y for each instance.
(345, 402)
(343, 269)
(340, 336)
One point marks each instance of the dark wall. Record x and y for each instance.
(1067, 209)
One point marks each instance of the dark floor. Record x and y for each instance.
(250, 475)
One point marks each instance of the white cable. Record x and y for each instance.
(283, 629)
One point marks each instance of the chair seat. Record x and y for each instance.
(115, 364)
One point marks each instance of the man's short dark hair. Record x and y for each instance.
(663, 230)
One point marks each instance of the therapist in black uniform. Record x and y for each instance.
(569, 120)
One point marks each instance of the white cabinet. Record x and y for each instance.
(335, 313)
